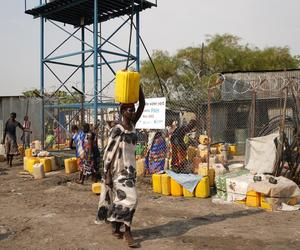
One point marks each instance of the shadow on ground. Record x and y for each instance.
(3, 170)
(180, 227)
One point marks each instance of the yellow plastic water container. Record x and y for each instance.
(203, 139)
(25, 162)
(96, 188)
(204, 171)
(241, 202)
(30, 163)
(165, 184)
(202, 189)
(53, 163)
(253, 199)
(264, 203)
(28, 152)
(70, 166)
(140, 167)
(76, 163)
(156, 183)
(46, 164)
(127, 86)
(232, 149)
(38, 171)
(187, 193)
(176, 188)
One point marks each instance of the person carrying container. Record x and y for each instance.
(118, 198)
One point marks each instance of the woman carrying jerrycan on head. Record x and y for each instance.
(118, 199)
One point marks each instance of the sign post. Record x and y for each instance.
(154, 115)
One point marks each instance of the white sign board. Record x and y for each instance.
(154, 115)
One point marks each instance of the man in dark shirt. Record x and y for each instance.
(10, 138)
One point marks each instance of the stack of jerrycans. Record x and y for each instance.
(164, 184)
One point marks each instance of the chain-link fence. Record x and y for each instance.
(202, 126)
(211, 126)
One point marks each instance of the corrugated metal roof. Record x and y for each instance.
(79, 12)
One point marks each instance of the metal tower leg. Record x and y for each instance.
(95, 44)
(82, 75)
(42, 78)
(83, 60)
(137, 41)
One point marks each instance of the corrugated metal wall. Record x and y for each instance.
(18, 105)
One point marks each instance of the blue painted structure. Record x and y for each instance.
(81, 14)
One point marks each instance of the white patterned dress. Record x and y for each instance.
(119, 203)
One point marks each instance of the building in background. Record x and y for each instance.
(20, 104)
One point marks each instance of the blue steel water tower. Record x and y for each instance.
(85, 18)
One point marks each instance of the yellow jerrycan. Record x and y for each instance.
(28, 152)
(202, 189)
(46, 164)
(165, 184)
(210, 172)
(176, 188)
(156, 183)
(127, 86)
(96, 188)
(70, 165)
(30, 163)
(187, 193)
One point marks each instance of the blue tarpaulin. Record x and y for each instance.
(188, 181)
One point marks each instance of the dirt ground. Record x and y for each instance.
(56, 213)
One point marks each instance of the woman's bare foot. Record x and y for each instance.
(118, 235)
(79, 182)
(129, 239)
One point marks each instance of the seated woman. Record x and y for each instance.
(155, 157)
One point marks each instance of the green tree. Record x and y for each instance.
(62, 96)
(31, 93)
(184, 77)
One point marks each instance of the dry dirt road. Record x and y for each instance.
(56, 213)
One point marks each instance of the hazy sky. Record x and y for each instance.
(173, 25)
